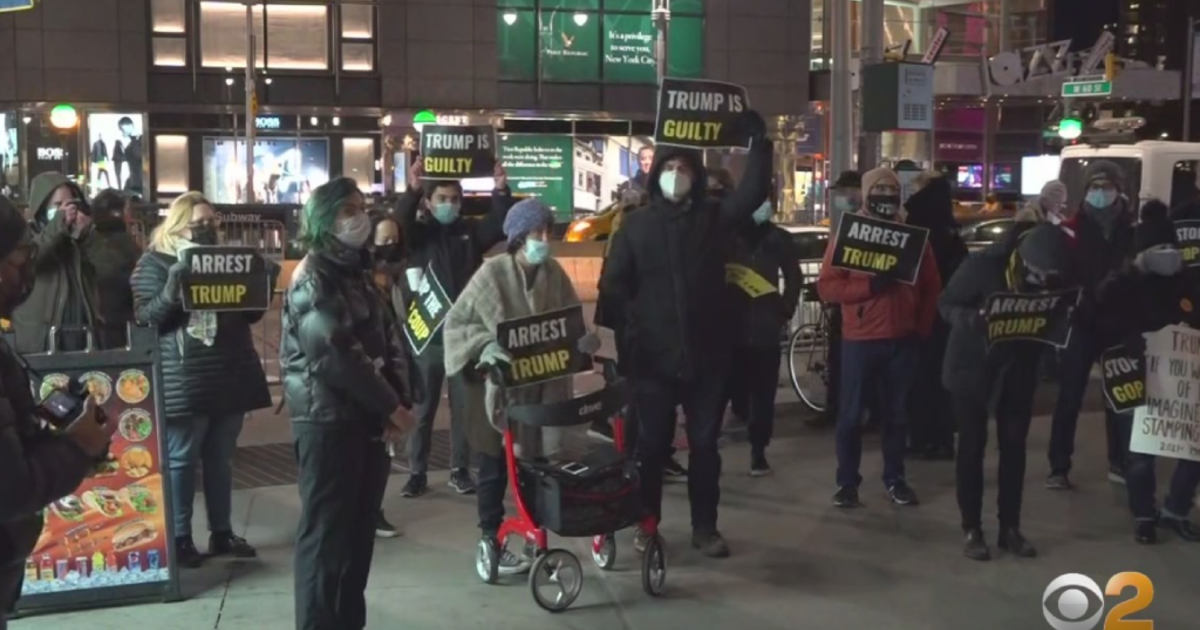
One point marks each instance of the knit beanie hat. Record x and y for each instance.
(1154, 228)
(526, 216)
(1053, 196)
(848, 179)
(1044, 248)
(1103, 170)
(12, 227)
(880, 176)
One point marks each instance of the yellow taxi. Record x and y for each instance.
(597, 227)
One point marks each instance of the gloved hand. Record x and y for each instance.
(589, 343)
(494, 355)
(751, 123)
(879, 284)
(175, 277)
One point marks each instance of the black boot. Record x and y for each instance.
(975, 546)
(1144, 532)
(1013, 542)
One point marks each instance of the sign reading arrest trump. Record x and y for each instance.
(700, 114)
(1041, 317)
(225, 278)
(880, 248)
(451, 152)
(1169, 423)
(544, 346)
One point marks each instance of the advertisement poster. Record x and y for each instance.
(700, 114)
(542, 166)
(1040, 317)
(224, 278)
(51, 150)
(115, 153)
(286, 170)
(458, 152)
(629, 48)
(1168, 425)
(879, 248)
(569, 43)
(1124, 375)
(112, 530)
(10, 155)
(544, 347)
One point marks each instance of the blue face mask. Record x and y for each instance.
(763, 214)
(445, 213)
(1101, 199)
(536, 252)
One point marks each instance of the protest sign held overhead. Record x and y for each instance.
(426, 311)
(544, 347)
(1041, 317)
(880, 248)
(1168, 425)
(453, 152)
(1124, 375)
(225, 278)
(1188, 234)
(700, 114)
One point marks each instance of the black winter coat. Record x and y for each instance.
(341, 356)
(223, 379)
(1131, 303)
(665, 272)
(1096, 258)
(769, 251)
(932, 208)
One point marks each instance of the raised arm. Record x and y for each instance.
(756, 180)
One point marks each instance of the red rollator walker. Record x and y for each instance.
(574, 499)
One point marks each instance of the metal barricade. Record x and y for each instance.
(270, 238)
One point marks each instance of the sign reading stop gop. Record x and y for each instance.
(225, 278)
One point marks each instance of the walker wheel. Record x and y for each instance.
(487, 561)
(654, 566)
(604, 551)
(556, 580)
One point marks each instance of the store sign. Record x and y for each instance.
(16, 5)
(50, 154)
(268, 123)
(115, 152)
(1053, 59)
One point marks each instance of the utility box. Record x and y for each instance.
(897, 97)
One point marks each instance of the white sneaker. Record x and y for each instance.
(512, 564)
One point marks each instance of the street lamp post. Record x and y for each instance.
(661, 13)
(1189, 72)
(251, 101)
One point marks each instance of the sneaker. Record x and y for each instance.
(759, 466)
(230, 544)
(416, 486)
(673, 469)
(1058, 481)
(513, 564)
(640, 540)
(846, 497)
(975, 547)
(901, 494)
(461, 481)
(1182, 527)
(602, 431)
(710, 543)
(384, 529)
(1144, 532)
(186, 553)
(1116, 474)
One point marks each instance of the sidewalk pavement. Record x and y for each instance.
(797, 562)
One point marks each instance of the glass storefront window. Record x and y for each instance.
(170, 165)
(286, 170)
(223, 35)
(168, 16)
(10, 154)
(358, 161)
(287, 36)
(115, 153)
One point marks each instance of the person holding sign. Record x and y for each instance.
(345, 387)
(438, 240)
(212, 376)
(524, 282)
(1149, 295)
(665, 277)
(882, 322)
(976, 372)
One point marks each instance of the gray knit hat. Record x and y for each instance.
(1044, 248)
(526, 216)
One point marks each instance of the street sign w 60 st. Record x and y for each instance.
(1075, 89)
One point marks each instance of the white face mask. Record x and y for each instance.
(354, 231)
(1166, 261)
(675, 185)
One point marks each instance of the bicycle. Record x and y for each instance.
(808, 359)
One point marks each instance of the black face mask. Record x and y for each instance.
(391, 253)
(883, 206)
(204, 235)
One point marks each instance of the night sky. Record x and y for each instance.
(1081, 20)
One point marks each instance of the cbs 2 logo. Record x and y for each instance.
(1070, 594)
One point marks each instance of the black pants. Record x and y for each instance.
(1142, 483)
(429, 373)
(490, 490)
(834, 370)
(341, 487)
(931, 414)
(1075, 371)
(655, 401)
(752, 386)
(1014, 411)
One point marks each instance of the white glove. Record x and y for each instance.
(589, 343)
(494, 355)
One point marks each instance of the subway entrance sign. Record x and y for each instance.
(1092, 87)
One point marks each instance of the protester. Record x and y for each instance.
(437, 238)
(36, 467)
(767, 251)
(212, 377)
(526, 281)
(882, 322)
(666, 274)
(1050, 206)
(1101, 242)
(992, 205)
(346, 392)
(932, 417)
(65, 295)
(113, 272)
(1006, 372)
(1146, 296)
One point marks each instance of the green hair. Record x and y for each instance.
(319, 215)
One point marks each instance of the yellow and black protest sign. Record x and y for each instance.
(700, 114)
(1188, 234)
(452, 152)
(427, 311)
(880, 248)
(225, 278)
(1041, 317)
(544, 347)
(749, 280)
(1124, 375)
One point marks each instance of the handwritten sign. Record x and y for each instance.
(544, 347)
(225, 278)
(426, 311)
(879, 248)
(1124, 375)
(700, 114)
(1041, 317)
(1168, 424)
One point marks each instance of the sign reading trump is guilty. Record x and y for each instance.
(225, 278)
(700, 114)
(1041, 317)
(880, 248)
(544, 346)
(451, 152)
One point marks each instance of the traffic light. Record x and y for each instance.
(1110, 67)
(1070, 128)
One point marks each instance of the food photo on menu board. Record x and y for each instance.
(112, 530)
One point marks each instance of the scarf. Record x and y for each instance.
(202, 325)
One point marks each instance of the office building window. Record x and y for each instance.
(358, 21)
(358, 56)
(287, 36)
(171, 165)
(170, 52)
(169, 22)
(168, 16)
(358, 161)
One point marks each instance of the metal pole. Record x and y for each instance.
(662, 20)
(250, 98)
(841, 101)
(1005, 36)
(1188, 83)
(871, 34)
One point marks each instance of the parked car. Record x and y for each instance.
(596, 227)
(982, 232)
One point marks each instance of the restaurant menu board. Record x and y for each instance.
(112, 530)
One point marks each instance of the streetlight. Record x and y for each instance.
(64, 118)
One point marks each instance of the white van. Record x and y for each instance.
(1154, 169)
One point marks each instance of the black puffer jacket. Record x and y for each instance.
(665, 271)
(341, 355)
(1131, 302)
(226, 378)
(769, 251)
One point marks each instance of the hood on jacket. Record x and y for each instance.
(699, 174)
(42, 188)
(932, 207)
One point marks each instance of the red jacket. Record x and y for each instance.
(900, 311)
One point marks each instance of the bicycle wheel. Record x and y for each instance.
(808, 366)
